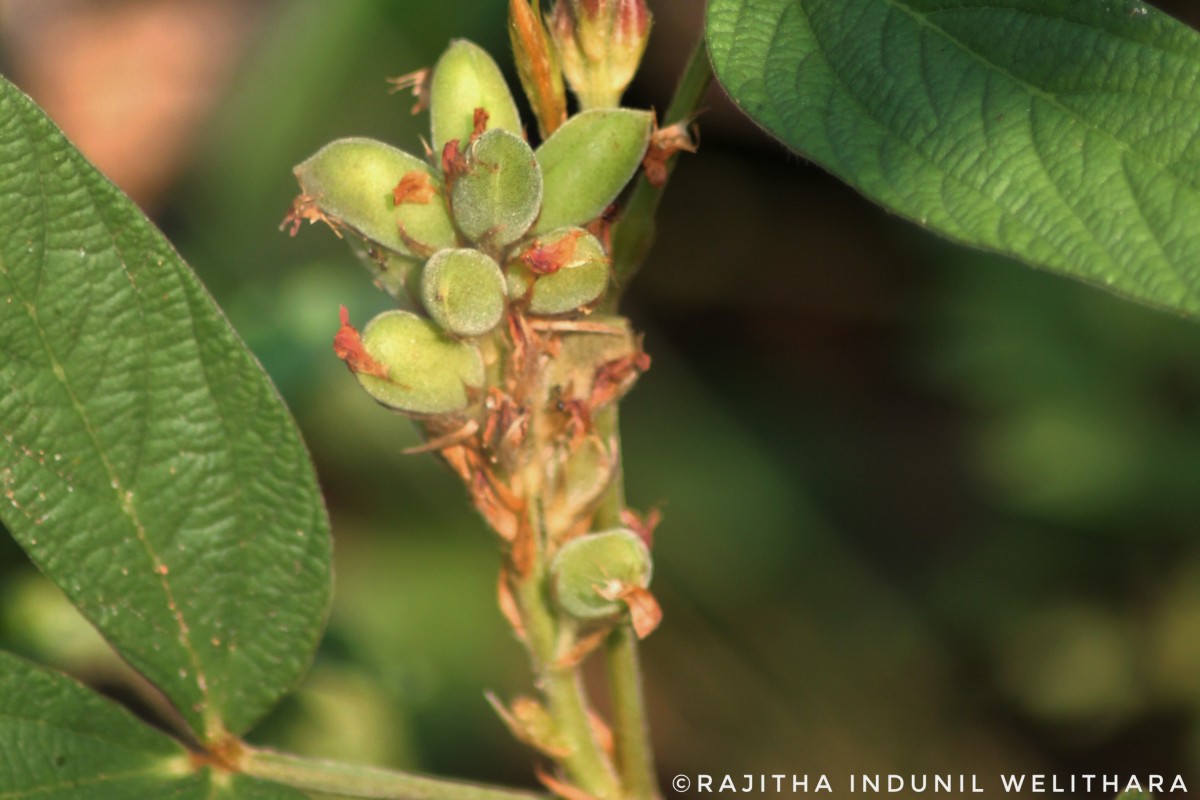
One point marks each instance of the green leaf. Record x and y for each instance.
(147, 464)
(587, 162)
(61, 741)
(1061, 132)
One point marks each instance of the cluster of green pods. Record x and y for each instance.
(482, 226)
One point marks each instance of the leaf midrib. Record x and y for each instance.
(128, 507)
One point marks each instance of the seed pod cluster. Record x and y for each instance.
(483, 227)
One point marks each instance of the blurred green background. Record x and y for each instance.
(925, 510)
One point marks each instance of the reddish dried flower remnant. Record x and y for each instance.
(614, 377)
(306, 208)
(578, 420)
(414, 187)
(454, 163)
(418, 82)
(348, 346)
(559, 787)
(645, 613)
(664, 143)
(643, 526)
(479, 123)
(548, 259)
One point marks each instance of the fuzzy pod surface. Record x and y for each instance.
(463, 290)
(591, 571)
(579, 276)
(587, 162)
(428, 372)
(499, 195)
(466, 78)
(353, 181)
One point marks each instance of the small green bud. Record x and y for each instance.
(464, 79)
(569, 268)
(592, 572)
(601, 43)
(537, 65)
(587, 162)
(355, 183)
(499, 194)
(427, 371)
(464, 291)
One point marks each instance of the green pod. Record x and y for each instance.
(428, 372)
(352, 181)
(499, 194)
(464, 79)
(580, 279)
(587, 162)
(591, 571)
(463, 290)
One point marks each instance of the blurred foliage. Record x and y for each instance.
(925, 510)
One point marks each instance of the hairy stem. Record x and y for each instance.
(632, 237)
(634, 232)
(608, 514)
(631, 730)
(585, 762)
(353, 780)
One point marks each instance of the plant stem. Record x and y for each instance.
(353, 780)
(631, 731)
(608, 513)
(586, 763)
(634, 232)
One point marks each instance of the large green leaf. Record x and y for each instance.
(147, 464)
(1063, 132)
(61, 741)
